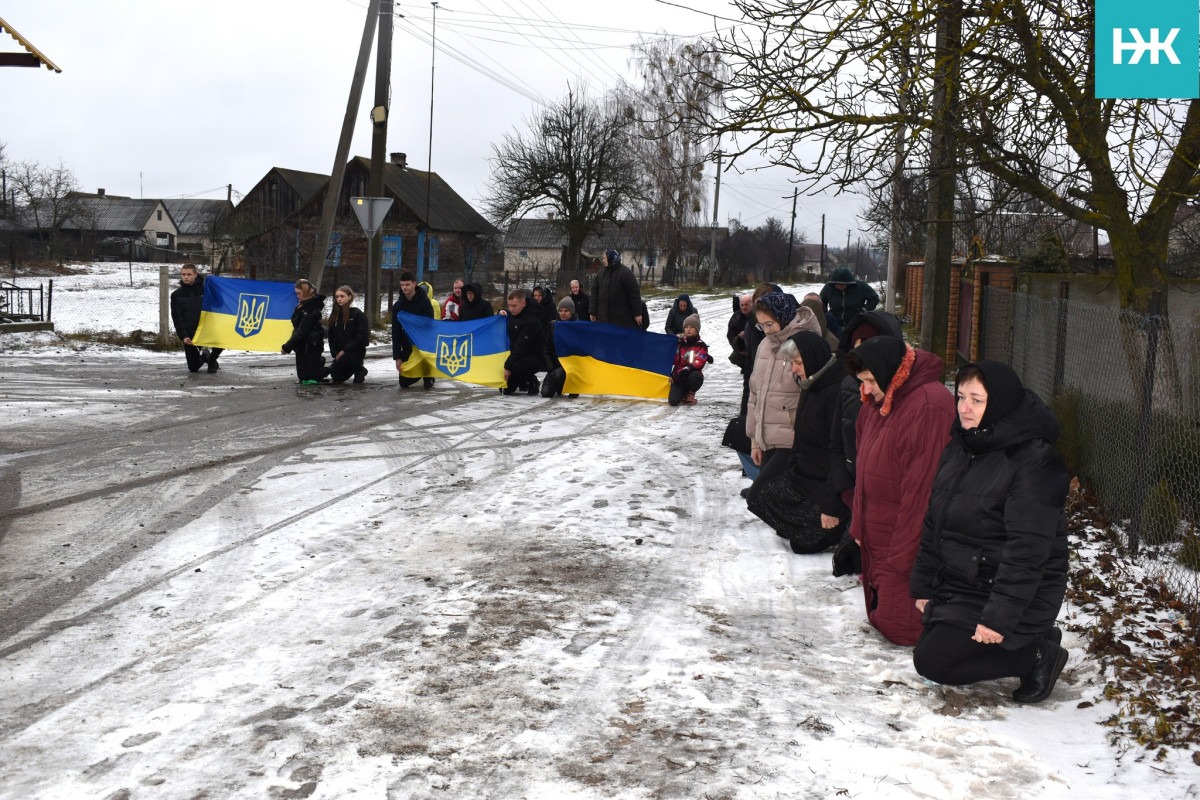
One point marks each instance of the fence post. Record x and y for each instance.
(164, 303)
(1060, 338)
(50, 300)
(1143, 473)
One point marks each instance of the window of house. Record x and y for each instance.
(333, 255)
(391, 252)
(433, 253)
(160, 216)
(523, 253)
(651, 258)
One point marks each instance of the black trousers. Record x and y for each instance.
(195, 358)
(685, 385)
(310, 366)
(523, 370)
(949, 655)
(344, 368)
(780, 498)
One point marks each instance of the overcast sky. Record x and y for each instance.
(171, 99)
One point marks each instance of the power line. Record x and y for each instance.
(467, 61)
(575, 47)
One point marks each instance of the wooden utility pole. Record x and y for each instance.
(939, 241)
(712, 246)
(792, 233)
(379, 123)
(822, 247)
(333, 192)
(893, 268)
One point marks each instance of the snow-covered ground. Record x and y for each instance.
(360, 592)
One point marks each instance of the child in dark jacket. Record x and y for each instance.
(690, 358)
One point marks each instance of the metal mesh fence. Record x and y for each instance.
(1126, 389)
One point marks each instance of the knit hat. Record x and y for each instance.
(693, 320)
(1004, 391)
(783, 306)
(612, 256)
(566, 303)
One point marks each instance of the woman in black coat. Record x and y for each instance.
(793, 495)
(991, 571)
(349, 335)
(474, 305)
(682, 309)
(308, 337)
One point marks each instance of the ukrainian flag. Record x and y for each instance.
(245, 315)
(472, 352)
(609, 359)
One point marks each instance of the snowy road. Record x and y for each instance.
(231, 586)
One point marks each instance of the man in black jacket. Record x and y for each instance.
(735, 333)
(616, 298)
(526, 356)
(415, 302)
(186, 302)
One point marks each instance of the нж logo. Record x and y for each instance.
(1167, 31)
(1139, 46)
(454, 354)
(252, 311)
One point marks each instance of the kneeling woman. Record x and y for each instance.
(991, 571)
(308, 337)
(349, 335)
(798, 501)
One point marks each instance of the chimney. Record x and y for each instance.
(399, 159)
(99, 193)
(550, 215)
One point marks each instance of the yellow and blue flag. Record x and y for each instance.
(472, 352)
(245, 315)
(609, 359)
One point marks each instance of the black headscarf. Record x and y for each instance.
(1004, 391)
(814, 351)
(882, 355)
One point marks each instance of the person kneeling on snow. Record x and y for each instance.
(690, 358)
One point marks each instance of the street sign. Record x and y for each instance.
(370, 212)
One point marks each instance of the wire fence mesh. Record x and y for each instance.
(1126, 389)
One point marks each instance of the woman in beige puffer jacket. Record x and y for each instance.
(774, 395)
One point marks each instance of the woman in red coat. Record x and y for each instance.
(901, 431)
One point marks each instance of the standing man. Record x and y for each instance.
(452, 304)
(615, 292)
(186, 302)
(735, 333)
(846, 296)
(414, 302)
(525, 355)
(580, 299)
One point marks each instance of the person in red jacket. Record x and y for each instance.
(690, 358)
(900, 433)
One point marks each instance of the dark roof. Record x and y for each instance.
(111, 214)
(197, 217)
(306, 184)
(34, 57)
(447, 210)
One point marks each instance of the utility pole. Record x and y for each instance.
(428, 244)
(822, 247)
(333, 192)
(379, 129)
(712, 250)
(792, 233)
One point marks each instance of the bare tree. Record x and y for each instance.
(50, 197)
(680, 85)
(813, 89)
(575, 160)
